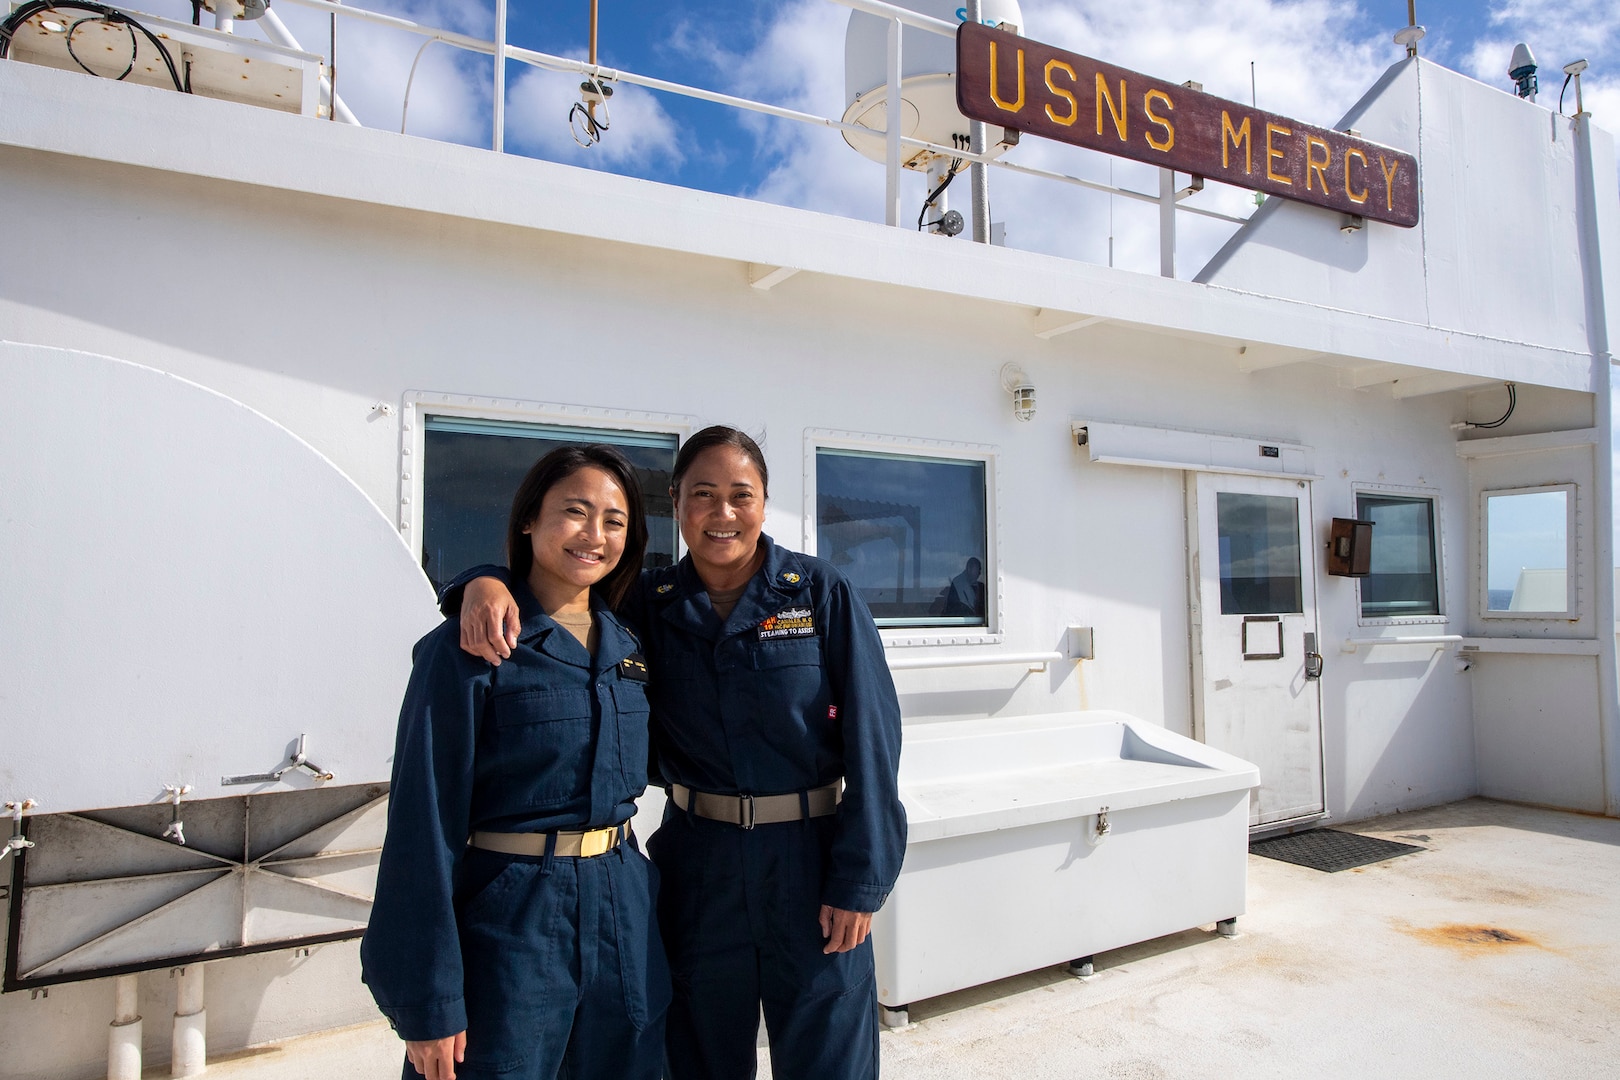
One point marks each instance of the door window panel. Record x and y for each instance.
(909, 532)
(1259, 553)
(472, 467)
(1527, 551)
(1404, 577)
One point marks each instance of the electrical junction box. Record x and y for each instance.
(1350, 548)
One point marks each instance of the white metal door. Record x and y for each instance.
(1256, 657)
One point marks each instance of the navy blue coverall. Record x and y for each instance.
(552, 965)
(790, 693)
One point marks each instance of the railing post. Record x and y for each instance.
(498, 142)
(1167, 223)
(891, 160)
(978, 172)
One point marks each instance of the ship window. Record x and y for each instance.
(1259, 553)
(1527, 551)
(471, 467)
(1404, 578)
(909, 532)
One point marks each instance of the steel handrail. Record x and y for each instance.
(550, 62)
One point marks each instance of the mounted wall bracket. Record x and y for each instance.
(298, 761)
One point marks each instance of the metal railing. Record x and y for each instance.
(1166, 199)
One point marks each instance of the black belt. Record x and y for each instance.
(747, 811)
(578, 845)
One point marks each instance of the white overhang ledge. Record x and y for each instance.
(1410, 382)
(106, 121)
(1253, 358)
(764, 278)
(1050, 323)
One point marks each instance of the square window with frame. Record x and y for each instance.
(1404, 578)
(472, 466)
(910, 531)
(1529, 552)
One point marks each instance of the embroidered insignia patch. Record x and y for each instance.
(662, 589)
(832, 712)
(789, 622)
(790, 577)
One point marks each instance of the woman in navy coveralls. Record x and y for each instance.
(512, 933)
(777, 728)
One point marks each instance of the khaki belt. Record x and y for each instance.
(572, 845)
(750, 810)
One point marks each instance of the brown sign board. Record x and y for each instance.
(1021, 84)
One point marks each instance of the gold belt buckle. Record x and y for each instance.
(597, 842)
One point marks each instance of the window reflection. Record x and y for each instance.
(1259, 553)
(1527, 551)
(909, 532)
(1404, 579)
(472, 467)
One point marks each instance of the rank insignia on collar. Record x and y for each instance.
(662, 589)
(790, 577)
(633, 668)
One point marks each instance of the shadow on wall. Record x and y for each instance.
(1426, 731)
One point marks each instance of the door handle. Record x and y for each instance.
(1313, 659)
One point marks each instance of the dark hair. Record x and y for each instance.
(719, 435)
(551, 470)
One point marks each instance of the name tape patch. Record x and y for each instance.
(787, 623)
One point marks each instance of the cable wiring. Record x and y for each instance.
(16, 20)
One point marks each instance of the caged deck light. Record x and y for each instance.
(1016, 383)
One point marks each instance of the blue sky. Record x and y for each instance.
(1312, 60)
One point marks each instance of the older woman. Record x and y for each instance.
(777, 730)
(512, 932)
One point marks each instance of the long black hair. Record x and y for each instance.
(551, 470)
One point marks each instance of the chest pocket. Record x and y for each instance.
(542, 744)
(630, 702)
(769, 655)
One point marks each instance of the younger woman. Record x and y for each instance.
(512, 932)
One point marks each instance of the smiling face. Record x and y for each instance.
(721, 509)
(578, 537)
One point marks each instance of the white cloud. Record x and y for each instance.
(1556, 33)
(641, 138)
(1307, 64)
(451, 94)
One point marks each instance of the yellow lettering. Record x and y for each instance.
(995, 83)
(1389, 180)
(1232, 138)
(1273, 129)
(1117, 115)
(1312, 166)
(1348, 154)
(1074, 106)
(1153, 118)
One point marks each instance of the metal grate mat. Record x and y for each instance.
(1330, 850)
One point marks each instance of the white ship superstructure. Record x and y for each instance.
(264, 376)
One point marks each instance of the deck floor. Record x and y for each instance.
(1494, 953)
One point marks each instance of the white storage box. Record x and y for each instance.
(1006, 870)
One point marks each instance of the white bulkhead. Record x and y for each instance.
(214, 518)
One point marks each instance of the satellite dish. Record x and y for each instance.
(927, 80)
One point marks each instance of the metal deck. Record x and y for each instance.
(1493, 953)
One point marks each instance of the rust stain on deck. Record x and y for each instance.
(1470, 938)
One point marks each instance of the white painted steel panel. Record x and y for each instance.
(1001, 875)
(172, 560)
